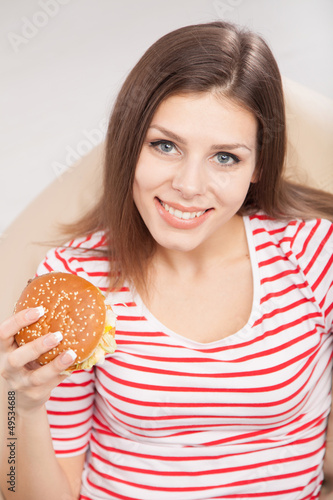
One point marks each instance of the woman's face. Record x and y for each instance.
(194, 169)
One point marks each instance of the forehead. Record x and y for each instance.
(205, 114)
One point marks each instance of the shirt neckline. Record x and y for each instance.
(240, 335)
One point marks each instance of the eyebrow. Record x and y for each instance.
(179, 139)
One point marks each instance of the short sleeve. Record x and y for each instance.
(312, 247)
(71, 405)
(70, 413)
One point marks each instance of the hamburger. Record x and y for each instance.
(77, 309)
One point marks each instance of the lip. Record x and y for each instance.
(177, 206)
(178, 223)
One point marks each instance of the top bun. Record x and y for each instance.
(73, 306)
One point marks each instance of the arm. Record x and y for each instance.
(73, 466)
(38, 473)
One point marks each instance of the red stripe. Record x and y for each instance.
(201, 488)
(202, 427)
(174, 458)
(63, 261)
(283, 292)
(272, 260)
(245, 390)
(89, 259)
(73, 450)
(329, 309)
(47, 266)
(267, 244)
(207, 404)
(67, 383)
(229, 418)
(258, 339)
(299, 228)
(308, 239)
(131, 318)
(82, 410)
(83, 242)
(160, 358)
(225, 470)
(291, 324)
(319, 248)
(264, 231)
(270, 243)
(76, 398)
(223, 375)
(69, 426)
(125, 304)
(323, 273)
(141, 334)
(279, 310)
(278, 276)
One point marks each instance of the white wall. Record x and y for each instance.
(62, 62)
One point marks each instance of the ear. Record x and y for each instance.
(255, 176)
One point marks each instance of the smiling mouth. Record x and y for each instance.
(179, 214)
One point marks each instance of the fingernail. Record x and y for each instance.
(35, 313)
(68, 357)
(52, 338)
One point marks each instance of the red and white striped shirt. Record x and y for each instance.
(244, 417)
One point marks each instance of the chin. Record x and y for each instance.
(178, 242)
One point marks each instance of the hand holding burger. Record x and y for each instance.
(77, 309)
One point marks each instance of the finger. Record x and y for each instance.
(55, 369)
(36, 385)
(19, 320)
(32, 350)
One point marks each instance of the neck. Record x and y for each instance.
(226, 245)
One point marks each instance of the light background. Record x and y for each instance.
(63, 61)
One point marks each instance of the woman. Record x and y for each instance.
(219, 272)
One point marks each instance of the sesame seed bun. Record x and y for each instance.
(77, 309)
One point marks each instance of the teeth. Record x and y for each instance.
(181, 215)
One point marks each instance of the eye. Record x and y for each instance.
(163, 146)
(227, 159)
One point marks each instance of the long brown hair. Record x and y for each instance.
(216, 56)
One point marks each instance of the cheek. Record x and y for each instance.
(231, 188)
(141, 179)
(144, 182)
(149, 175)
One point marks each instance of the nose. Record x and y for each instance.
(189, 179)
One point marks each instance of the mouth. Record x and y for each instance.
(180, 214)
(181, 219)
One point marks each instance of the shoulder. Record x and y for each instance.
(312, 249)
(307, 244)
(301, 237)
(84, 256)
